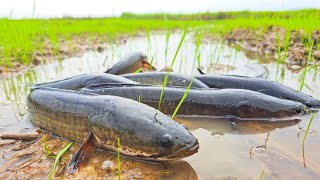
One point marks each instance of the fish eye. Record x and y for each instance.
(166, 141)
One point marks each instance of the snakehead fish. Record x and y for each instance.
(130, 64)
(156, 78)
(84, 80)
(260, 85)
(238, 103)
(145, 133)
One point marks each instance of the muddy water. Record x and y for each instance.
(228, 149)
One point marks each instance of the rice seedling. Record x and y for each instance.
(149, 42)
(65, 149)
(152, 59)
(304, 138)
(46, 147)
(119, 168)
(285, 49)
(137, 71)
(166, 49)
(261, 175)
(197, 51)
(278, 53)
(165, 80)
(306, 68)
(185, 94)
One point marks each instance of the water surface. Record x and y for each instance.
(227, 148)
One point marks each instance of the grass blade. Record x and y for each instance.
(58, 157)
(304, 138)
(170, 68)
(185, 94)
(306, 68)
(119, 170)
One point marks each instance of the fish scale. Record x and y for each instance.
(74, 115)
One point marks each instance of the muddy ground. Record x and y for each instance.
(260, 42)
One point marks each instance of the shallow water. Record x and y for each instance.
(227, 148)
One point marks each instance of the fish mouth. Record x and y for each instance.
(186, 151)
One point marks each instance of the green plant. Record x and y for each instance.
(185, 94)
(58, 157)
(165, 80)
(306, 68)
(304, 138)
(119, 162)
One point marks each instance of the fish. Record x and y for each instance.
(77, 82)
(259, 85)
(145, 132)
(130, 64)
(157, 78)
(238, 103)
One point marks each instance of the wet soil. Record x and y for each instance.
(229, 149)
(264, 42)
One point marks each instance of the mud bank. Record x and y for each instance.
(265, 42)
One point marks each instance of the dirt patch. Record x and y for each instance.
(265, 42)
(75, 46)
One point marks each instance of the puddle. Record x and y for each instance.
(227, 148)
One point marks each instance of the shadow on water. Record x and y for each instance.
(224, 144)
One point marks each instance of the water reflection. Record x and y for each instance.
(234, 126)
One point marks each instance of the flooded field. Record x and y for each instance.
(228, 149)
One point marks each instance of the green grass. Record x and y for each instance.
(58, 157)
(119, 169)
(165, 80)
(185, 94)
(261, 175)
(306, 68)
(304, 138)
(21, 39)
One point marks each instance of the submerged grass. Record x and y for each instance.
(306, 68)
(304, 138)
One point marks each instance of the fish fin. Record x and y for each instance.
(82, 156)
(107, 71)
(200, 71)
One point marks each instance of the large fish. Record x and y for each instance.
(131, 63)
(157, 78)
(84, 80)
(260, 85)
(145, 132)
(222, 102)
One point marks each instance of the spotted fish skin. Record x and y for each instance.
(144, 132)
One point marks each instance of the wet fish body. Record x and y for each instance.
(130, 64)
(223, 103)
(84, 80)
(260, 85)
(145, 133)
(157, 78)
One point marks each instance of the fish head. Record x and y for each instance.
(144, 133)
